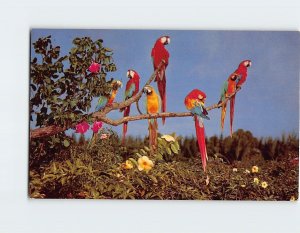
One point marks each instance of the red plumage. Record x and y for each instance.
(136, 81)
(191, 102)
(200, 133)
(194, 94)
(159, 54)
(242, 70)
(232, 101)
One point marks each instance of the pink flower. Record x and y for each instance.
(82, 127)
(94, 67)
(96, 126)
(103, 136)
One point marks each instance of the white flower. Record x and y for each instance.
(168, 138)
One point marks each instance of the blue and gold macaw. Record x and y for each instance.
(153, 104)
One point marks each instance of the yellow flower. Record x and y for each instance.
(243, 185)
(144, 163)
(264, 184)
(254, 169)
(168, 138)
(234, 169)
(128, 165)
(256, 180)
(293, 198)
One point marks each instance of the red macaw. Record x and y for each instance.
(108, 100)
(132, 88)
(242, 72)
(159, 54)
(152, 107)
(194, 102)
(234, 81)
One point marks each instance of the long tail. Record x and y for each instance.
(126, 113)
(223, 114)
(153, 134)
(161, 84)
(232, 101)
(200, 132)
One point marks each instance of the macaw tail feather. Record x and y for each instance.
(223, 114)
(161, 84)
(232, 101)
(153, 133)
(125, 125)
(200, 133)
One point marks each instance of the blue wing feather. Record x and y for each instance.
(101, 103)
(198, 110)
(224, 90)
(130, 91)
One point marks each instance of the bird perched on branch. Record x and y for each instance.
(160, 54)
(242, 72)
(108, 100)
(152, 107)
(194, 102)
(132, 88)
(234, 81)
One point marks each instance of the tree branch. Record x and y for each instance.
(101, 116)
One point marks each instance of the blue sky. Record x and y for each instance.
(267, 105)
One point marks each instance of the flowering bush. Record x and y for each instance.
(100, 170)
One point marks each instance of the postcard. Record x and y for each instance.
(164, 114)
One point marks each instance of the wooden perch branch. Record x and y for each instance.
(101, 116)
(120, 121)
(46, 131)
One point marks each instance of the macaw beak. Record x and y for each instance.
(147, 90)
(128, 74)
(119, 84)
(168, 40)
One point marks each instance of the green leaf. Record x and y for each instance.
(69, 164)
(174, 149)
(176, 144)
(133, 161)
(153, 178)
(63, 180)
(146, 148)
(66, 143)
(108, 50)
(76, 41)
(143, 152)
(138, 154)
(159, 156)
(169, 151)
